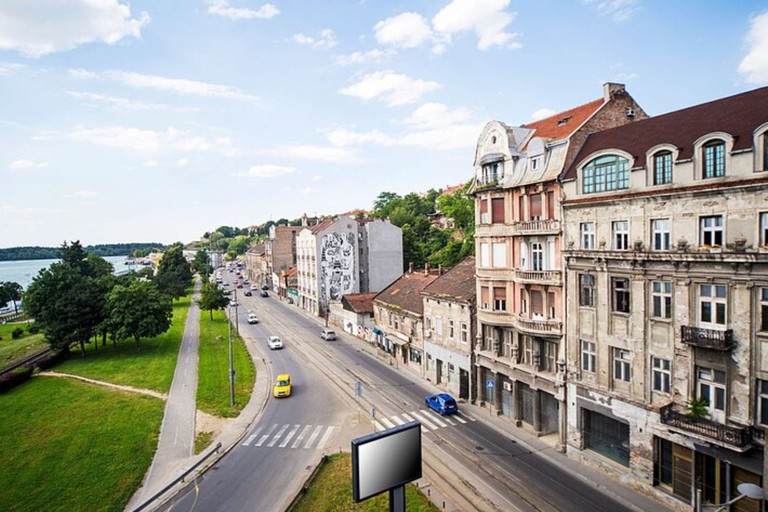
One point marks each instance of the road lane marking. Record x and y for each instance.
(451, 423)
(423, 417)
(378, 426)
(249, 440)
(417, 419)
(462, 415)
(277, 436)
(397, 420)
(459, 419)
(433, 418)
(301, 436)
(388, 423)
(289, 436)
(313, 437)
(325, 437)
(266, 436)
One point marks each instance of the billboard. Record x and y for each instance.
(385, 460)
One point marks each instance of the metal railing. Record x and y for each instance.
(539, 326)
(707, 338)
(537, 275)
(537, 225)
(737, 436)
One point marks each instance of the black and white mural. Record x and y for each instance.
(337, 266)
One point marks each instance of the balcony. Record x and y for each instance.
(537, 227)
(500, 318)
(544, 277)
(731, 435)
(538, 326)
(707, 338)
(486, 182)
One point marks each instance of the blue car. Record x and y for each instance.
(442, 403)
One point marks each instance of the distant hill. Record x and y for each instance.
(45, 253)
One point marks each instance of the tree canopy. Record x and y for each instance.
(10, 292)
(173, 273)
(212, 298)
(138, 311)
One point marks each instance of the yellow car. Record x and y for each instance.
(283, 385)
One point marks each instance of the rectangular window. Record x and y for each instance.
(428, 321)
(710, 385)
(551, 298)
(548, 356)
(711, 231)
(586, 290)
(764, 309)
(587, 235)
(622, 362)
(660, 237)
(451, 333)
(714, 160)
(765, 151)
(484, 297)
(661, 296)
(662, 168)
(764, 229)
(621, 302)
(535, 200)
(521, 208)
(484, 217)
(588, 356)
(762, 402)
(485, 255)
(464, 332)
(439, 325)
(662, 375)
(537, 256)
(620, 235)
(523, 302)
(527, 350)
(537, 305)
(550, 205)
(499, 299)
(605, 173)
(606, 436)
(499, 255)
(713, 306)
(497, 210)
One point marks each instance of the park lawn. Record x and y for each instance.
(331, 490)
(213, 368)
(12, 350)
(151, 368)
(74, 446)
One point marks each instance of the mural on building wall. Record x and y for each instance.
(337, 266)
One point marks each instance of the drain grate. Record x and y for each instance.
(479, 448)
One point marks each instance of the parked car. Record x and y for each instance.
(328, 334)
(273, 342)
(264, 287)
(254, 287)
(264, 293)
(252, 318)
(239, 285)
(282, 385)
(248, 293)
(442, 403)
(245, 281)
(232, 302)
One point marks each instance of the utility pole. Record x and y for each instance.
(231, 369)
(237, 321)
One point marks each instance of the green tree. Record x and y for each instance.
(382, 205)
(145, 273)
(138, 311)
(173, 273)
(96, 266)
(201, 263)
(458, 206)
(10, 292)
(211, 298)
(218, 241)
(73, 255)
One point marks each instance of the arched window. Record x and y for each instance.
(713, 159)
(662, 168)
(605, 173)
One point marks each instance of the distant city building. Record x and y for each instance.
(256, 269)
(280, 249)
(354, 314)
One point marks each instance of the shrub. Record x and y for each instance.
(14, 378)
(17, 333)
(33, 328)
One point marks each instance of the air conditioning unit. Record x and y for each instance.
(507, 386)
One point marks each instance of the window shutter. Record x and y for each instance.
(484, 296)
(497, 206)
(500, 294)
(537, 306)
(536, 206)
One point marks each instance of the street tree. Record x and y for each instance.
(212, 298)
(173, 273)
(137, 311)
(201, 263)
(11, 292)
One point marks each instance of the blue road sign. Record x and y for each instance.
(489, 384)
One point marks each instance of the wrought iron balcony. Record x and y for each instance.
(707, 338)
(537, 226)
(734, 435)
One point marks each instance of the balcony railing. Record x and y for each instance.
(537, 226)
(539, 326)
(707, 338)
(537, 276)
(734, 435)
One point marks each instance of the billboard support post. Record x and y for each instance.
(397, 499)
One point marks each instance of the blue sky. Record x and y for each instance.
(157, 121)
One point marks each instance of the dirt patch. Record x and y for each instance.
(208, 423)
(149, 392)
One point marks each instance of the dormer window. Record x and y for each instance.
(765, 151)
(491, 173)
(605, 173)
(713, 159)
(563, 121)
(662, 168)
(536, 163)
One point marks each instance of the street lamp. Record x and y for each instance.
(231, 369)
(746, 490)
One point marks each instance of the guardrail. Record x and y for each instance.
(27, 361)
(178, 479)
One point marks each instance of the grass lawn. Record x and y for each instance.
(332, 491)
(213, 369)
(68, 446)
(152, 368)
(12, 350)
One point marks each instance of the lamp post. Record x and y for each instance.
(746, 490)
(231, 369)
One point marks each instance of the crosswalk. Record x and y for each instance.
(429, 420)
(301, 437)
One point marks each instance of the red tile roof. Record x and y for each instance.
(549, 128)
(450, 190)
(737, 115)
(457, 284)
(405, 292)
(359, 302)
(321, 226)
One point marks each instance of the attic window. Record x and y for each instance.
(493, 140)
(563, 121)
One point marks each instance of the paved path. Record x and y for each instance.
(177, 433)
(132, 389)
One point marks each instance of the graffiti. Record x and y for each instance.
(337, 266)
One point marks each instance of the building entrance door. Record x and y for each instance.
(463, 384)
(438, 372)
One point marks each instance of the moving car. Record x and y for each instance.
(252, 318)
(239, 285)
(264, 287)
(264, 293)
(254, 287)
(328, 334)
(442, 403)
(233, 302)
(273, 342)
(283, 385)
(248, 293)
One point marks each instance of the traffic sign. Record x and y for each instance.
(489, 383)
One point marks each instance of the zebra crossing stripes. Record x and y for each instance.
(429, 420)
(309, 437)
(314, 436)
(277, 436)
(266, 436)
(289, 436)
(424, 420)
(388, 423)
(301, 436)
(423, 426)
(325, 437)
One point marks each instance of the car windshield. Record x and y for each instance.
(283, 382)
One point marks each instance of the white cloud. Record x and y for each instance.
(27, 164)
(266, 171)
(459, 136)
(344, 138)
(140, 141)
(487, 18)
(83, 194)
(314, 153)
(392, 88)
(175, 85)
(150, 163)
(125, 104)
(182, 162)
(48, 26)
(436, 115)
(222, 8)
(324, 41)
(317, 178)
(373, 56)
(407, 30)
(625, 76)
(619, 10)
(307, 190)
(754, 66)
(542, 113)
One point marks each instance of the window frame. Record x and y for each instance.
(761, 409)
(713, 159)
(621, 296)
(622, 364)
(662, 372)
(763, 303)
(717, 390)
(762, 227)
(711, 231)
(662, 175)
(587, 290)
(620, 235)
(605, 173)
(588, 356)
(661, 295)
(504, 253)
(537, 255)
(661, 232)
(464, 333)
(714, 300)
(587, 235)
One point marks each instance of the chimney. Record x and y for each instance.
(410, 268)
(304, 220)
(426, 269)
(610, 89)
(439, 270)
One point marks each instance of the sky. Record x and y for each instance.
(156, 121)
